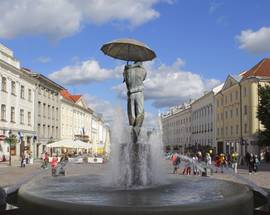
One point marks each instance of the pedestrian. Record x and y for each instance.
(217, 162)
(26, 155)
(208, 159)
(175, 161)
(187, 168)
(23, 161)
(234, 159)
(222, 162)
(251, 163)
(54, 164)
(247, 158)
(256, 163)
(195, 161)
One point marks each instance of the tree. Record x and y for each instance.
(263, 114)
(12, 141)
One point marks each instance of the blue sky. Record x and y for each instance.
(197, 42)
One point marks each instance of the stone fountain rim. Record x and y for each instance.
(245, 195)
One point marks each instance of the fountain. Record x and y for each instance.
(135, 185)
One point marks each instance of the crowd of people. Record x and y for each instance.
(199, 162)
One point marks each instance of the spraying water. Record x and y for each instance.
(137, 164)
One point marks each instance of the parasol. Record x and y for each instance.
(128, 50)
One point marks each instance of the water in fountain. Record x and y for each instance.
(135, 165)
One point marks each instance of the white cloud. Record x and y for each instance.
(255, 41)
(169, 85)
(43, 59)
(62, 18)
(214, 5)
(101, 106)
(82, 73)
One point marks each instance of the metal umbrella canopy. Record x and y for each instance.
(128, 50)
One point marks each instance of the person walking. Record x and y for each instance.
(208, 159)
(256, 163)
(23, 161)
(251, 163)
(54, 165)
(176, 161)
(234, 159)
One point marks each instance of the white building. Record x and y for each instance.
(100, 135)
(47, 111)
(203, 119)
(17, 102)
(76, 117)
(176, 128)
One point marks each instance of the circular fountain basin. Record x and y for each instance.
(88, 195)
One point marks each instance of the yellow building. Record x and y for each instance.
(237, 125)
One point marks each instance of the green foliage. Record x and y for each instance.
(263, 113)
(12, 140)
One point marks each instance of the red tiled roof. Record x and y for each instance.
(68, 96)
(76, 97)
(261, 69)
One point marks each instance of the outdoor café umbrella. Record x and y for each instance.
(128, 50)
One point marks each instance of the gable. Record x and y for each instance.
(230, 81)
(82, 103)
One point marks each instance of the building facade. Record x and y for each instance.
(76, 117)
(176, 128)
(47, 111)
(237, 125)
(203, 119)
(17, 100)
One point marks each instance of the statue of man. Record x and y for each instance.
(134, 75)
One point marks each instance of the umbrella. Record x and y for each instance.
(128, 50)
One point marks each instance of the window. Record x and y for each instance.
(49, 131)
(39, 129)
(225, 100)
(217, 131)
(29, 95)
(226, 130)
(231, 97)
(12, 114)
(226, 115)
(237, 129)
(231, 130)
(4, 84)
(44, 131)
(245, 91)
(13, 88)
(29, 118)
(49, 111)
(44, 110)
(236, 111)
(231, 111)
(3, 112)
(21, 116)
(245, 128)
(22, 92)
(236, 95)
(39, 108)
(245, 109)
(56, 116)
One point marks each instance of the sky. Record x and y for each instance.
(197, 43)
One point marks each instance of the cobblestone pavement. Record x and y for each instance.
(12, 175)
